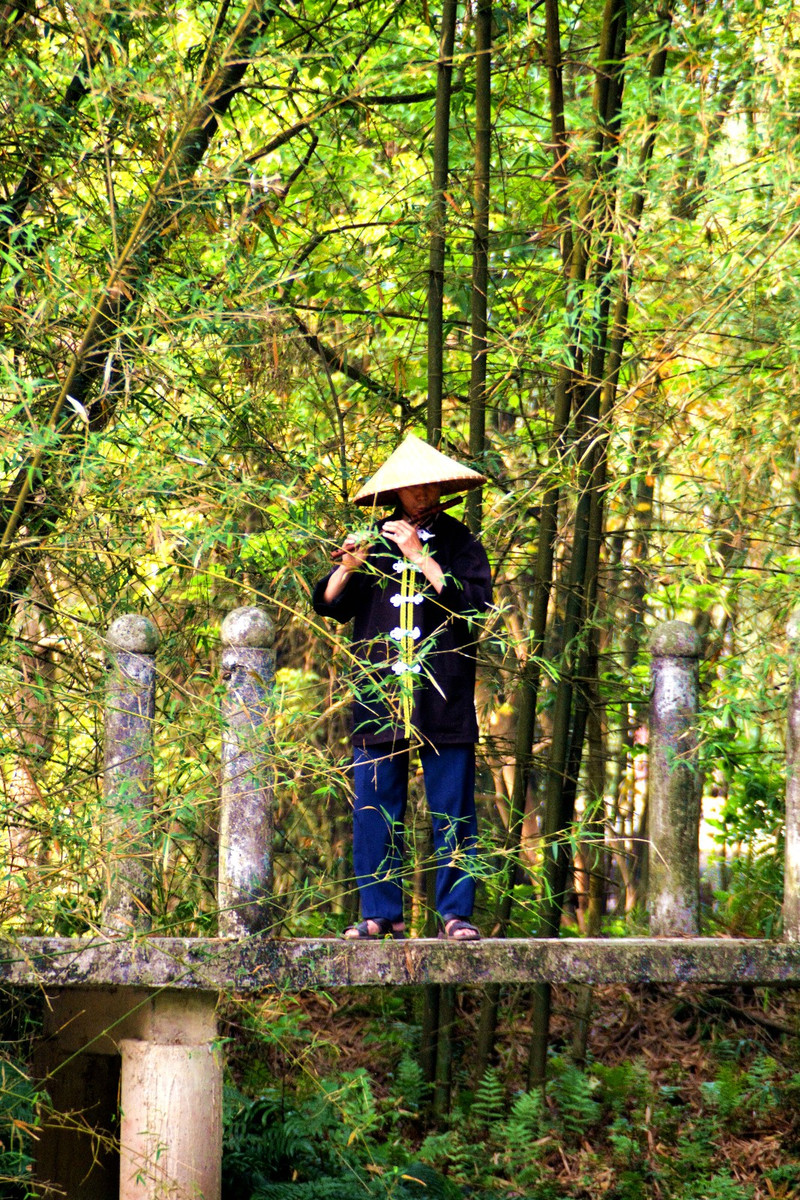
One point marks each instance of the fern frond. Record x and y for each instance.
(409, 1084)
(573, 1092)
(489, 1103)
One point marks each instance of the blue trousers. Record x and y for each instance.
(381, 795)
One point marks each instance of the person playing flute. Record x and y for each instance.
(414, 593)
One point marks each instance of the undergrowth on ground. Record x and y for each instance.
(694, 1097)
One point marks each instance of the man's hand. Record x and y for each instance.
(353, 556)
(405, 537)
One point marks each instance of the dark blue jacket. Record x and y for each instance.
(447, 627)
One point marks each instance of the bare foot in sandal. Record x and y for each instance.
(373, 929)
(458, 929)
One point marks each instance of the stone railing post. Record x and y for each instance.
(128, 776)
(675, 790)
(245, 835)
(791, 876)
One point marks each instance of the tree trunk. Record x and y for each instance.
(444, 1051)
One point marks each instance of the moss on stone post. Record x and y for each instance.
(791, 877)
(245, 837)
(675, 791)
(128, 776)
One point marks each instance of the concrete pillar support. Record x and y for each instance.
(791, 877)
(151, 1055)
(245, 837)
(128, 778)
(675, 786)
(171, 1121)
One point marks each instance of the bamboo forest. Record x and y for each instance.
(246, 248)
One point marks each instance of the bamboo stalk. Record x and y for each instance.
(480, 249)
(441, 170)
(528, 690)
(569, 727)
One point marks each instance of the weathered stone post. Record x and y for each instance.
(675, 791)
(791, 877)
(245, 836)
(128, 778)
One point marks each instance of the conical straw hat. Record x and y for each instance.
(415, 462)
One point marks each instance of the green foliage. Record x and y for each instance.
(624, 1085)
(641, 1135)
(263, 343)
(322, 1148)
(451, 1152)
(266, 343)
(743, 1096)
(411, 1182)
(525, 1125)
(573, 1093)
(622, 1137)
(276, 1136)
(526, 1120)
(602, 1130)
(264, 1141)
(751, 904)
(408, 1086)
(489, 1101)
(716, 1187)
(20, 1104)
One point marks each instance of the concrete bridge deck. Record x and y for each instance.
(260, 963)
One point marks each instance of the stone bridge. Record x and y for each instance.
(130, 1018)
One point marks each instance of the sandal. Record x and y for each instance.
(459, 929)
(361, 931)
